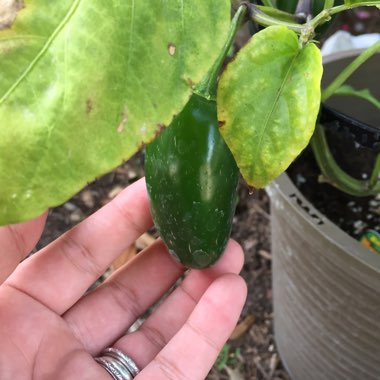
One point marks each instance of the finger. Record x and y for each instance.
(194, 349)
(103, 315)
(163, 324)
(59, 275)
(16, 241)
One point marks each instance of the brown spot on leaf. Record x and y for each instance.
(160, 129)
(190, 82)
(89, 104)
(123, 122)
(171, 48)
(221, 123)
(8, 12)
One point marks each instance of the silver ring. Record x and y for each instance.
(124, 359)
(117, 364)
(114, 369)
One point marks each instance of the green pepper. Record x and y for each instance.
(192, 179)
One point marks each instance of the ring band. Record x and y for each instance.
(119, 365)
(114, 369)
(123, 358)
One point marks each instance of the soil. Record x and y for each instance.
(354, 215)
(251, 354)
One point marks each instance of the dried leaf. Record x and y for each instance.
(144, 241)
(243, 327)
(234, 374)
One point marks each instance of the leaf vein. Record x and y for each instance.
(42, 51)
(279, 92)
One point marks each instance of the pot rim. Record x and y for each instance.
(294, 198)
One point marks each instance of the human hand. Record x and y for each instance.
(51, 329)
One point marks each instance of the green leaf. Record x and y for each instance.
(85, 83)
(268, 101)
(363, 94)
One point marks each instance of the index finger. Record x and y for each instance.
(59, 275)
(16, 241)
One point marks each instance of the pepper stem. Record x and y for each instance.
(207, 87)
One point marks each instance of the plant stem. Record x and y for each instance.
(207, 87)
(278, 14)
(326, 14)
(354, 65)
(266, 20)
(375, 172)
(336, 176)
(267, 16)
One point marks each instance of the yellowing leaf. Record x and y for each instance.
(268, 101)
(85, 83)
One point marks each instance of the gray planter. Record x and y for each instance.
(326, 291)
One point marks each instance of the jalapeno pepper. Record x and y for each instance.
(191, 179)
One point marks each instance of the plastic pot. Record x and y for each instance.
(326, 285)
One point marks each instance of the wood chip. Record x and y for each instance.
(265, 254)
(243, 327)
(261, 211)
(132, 174)
(144, 241)
(260, 368)
(249, 244)
(76, 216)
(234, 374)
(88, 198)
(115, 191)
(273, 363)
(127, 255)
(69, 206)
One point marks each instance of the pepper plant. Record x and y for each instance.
(85, 84)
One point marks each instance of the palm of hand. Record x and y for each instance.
(51, 329)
